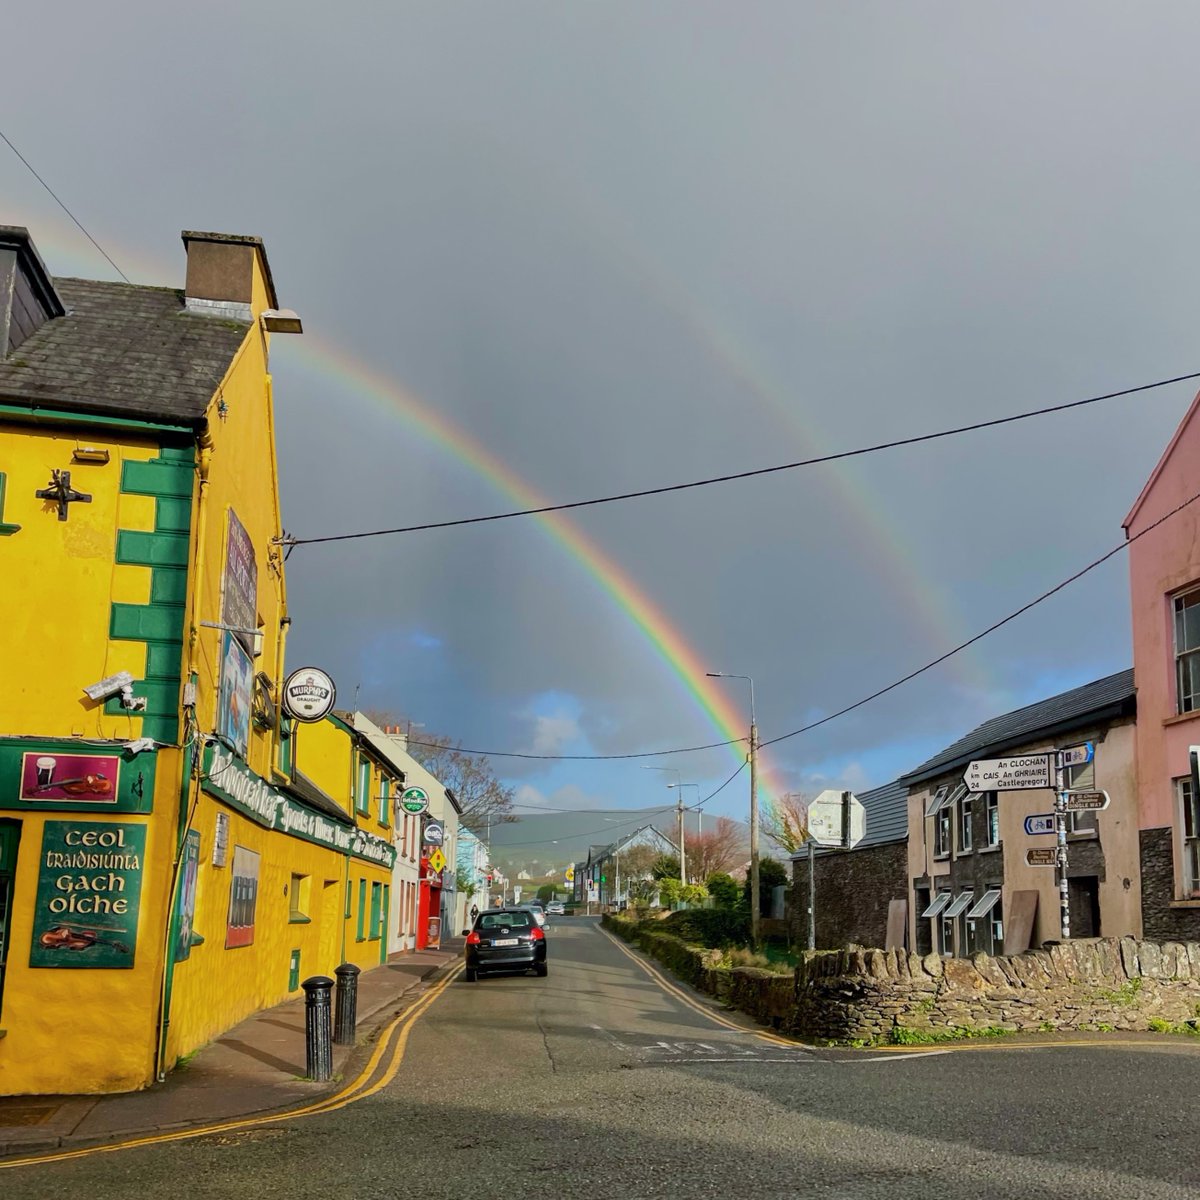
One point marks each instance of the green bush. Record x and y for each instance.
(724, 889)
(771, 874)
(714, 927)
(669, 892)
(694, 893)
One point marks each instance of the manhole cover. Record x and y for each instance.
(26, 1114)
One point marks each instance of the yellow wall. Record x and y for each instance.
(61, 579)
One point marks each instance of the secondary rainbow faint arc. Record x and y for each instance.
(668, 644)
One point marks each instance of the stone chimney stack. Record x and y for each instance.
(220, 275)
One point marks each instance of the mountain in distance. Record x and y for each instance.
(542, 842)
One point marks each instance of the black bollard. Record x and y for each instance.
(345, 1016)
(317, 1033)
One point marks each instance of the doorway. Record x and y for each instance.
(1083, 894)
(10, 835)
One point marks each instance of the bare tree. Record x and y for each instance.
(480, 795)
(717, 849)
(785, 821)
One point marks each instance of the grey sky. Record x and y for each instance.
(626, 244)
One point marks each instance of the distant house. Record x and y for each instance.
(856, 888)
(972, 888)
(611, 870)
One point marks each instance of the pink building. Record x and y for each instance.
(1164, 575)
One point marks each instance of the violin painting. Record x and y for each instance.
(89, 778)
(68, 937)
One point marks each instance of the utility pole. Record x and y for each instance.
(1060, 832)
(755, 906)
(679, 819)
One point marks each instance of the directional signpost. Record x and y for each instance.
(1039, 823)
(835, 819)
(1042, 857)
(1087, 801)
(1010, 774)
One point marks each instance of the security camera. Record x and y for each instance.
(110, 686)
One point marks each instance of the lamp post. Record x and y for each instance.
(680, 787)
(754, 900)
(678, 818)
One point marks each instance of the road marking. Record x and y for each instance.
(358, 1089)
(704, 1010)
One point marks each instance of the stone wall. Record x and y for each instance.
(869, 995)
(853, 891)
(1159, 920)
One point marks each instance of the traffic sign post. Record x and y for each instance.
(835, 819)
(1039, 823)
(1017, 774)
(1042, 857)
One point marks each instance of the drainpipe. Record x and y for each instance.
(204, 446)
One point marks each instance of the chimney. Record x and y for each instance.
(220, 275)
(27, 296)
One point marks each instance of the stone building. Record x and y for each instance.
(856, 889)
(972, 888)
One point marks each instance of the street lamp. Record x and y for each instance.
(696, 807)
(754, 899)
(678, 817)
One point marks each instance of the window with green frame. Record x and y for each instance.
(385, 799)
(362, 909)
(376, 908)
(349, 899)
(362, 792)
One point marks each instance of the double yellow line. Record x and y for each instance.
(703, 1009)
(392, 1044)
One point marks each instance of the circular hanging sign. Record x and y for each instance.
(414, 800)
(309, 695)
(435, 833)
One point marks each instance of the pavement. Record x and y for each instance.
(255, 1067)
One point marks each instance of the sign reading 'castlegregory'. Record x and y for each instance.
(88, 891)
(309, 695)
(230, 780)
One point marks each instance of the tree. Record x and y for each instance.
(465, 882)
(665, 866)
(721, 847)
(635, 862)
(480, 794)
(546, 893)
(771, 873)
(669, 890)
(785, 821)
(694, 893)
(723, 889)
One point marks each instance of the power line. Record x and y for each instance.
(715, 479)
(883, 691)
(64, 207)
(587, 757)
(984, 633)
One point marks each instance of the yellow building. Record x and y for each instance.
(164, 871)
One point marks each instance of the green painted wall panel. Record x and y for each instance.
(146, 623)
(168, 587)
(152, 549)
(157, 478)
(164, 660)
(173, 515)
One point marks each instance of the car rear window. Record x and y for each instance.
(504, 921)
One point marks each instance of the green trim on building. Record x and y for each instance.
(170, 479)
(49, 416)
(6, 529)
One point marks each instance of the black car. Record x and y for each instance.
(505, 939)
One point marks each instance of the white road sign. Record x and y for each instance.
(837, 819)
(1010, 774)
(1078, 755)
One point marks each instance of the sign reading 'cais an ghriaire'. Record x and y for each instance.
(88, 891)
(309, 695)
(230, 780)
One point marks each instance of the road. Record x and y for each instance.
(599, 1082)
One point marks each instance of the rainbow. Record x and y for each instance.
(666, 642)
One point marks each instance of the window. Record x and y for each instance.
(935, 801)
(298, 899)
(941, 834)
(385, 800)
(941, 807)
(1081, 778)
(362, 793)
(963, 816)
(362, 909)
(991, 806)
(1187, 651)
(1191, 836)
(985, 927)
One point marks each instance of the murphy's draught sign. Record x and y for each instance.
(309, 695)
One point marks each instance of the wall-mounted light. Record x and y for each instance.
(90, 454)
(281, 320)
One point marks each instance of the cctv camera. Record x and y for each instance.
(110, 686)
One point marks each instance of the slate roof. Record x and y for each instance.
(123, 350)
(1107, 698)
(303, 789)
(887, 817)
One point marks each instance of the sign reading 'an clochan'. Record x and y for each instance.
(1010, 774)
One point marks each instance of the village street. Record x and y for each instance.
(600, 1079)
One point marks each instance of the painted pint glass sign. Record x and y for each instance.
(88, 891)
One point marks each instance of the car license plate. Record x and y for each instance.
(505, 941)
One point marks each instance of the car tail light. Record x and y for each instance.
(537, 934)
(472, 938)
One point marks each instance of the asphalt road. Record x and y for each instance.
(598, 1082)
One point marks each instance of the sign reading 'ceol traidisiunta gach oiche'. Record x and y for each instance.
(88, 892)
(230, 780)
